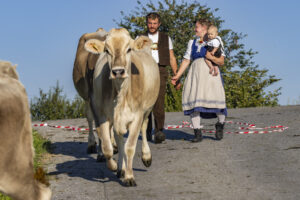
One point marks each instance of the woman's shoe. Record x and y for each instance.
(219, 131)
(198, 135)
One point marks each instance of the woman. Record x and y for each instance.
(203, 95)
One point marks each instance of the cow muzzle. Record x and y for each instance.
(118, 72)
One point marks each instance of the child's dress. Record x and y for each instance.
(202, 92)
(215, 43)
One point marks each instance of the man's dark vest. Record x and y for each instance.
(163, 49)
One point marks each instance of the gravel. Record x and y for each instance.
(241, 166)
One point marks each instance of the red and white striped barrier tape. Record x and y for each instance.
(64, 127)
(250, 129)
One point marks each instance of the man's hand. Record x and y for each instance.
(174, 80)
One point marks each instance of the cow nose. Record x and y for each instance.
(118, 72)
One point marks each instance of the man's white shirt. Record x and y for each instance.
(154, 38)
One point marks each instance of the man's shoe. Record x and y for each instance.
(219, 131)
(159, 137)
(198, 135)
(149, 136)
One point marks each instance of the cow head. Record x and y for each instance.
(118, 47)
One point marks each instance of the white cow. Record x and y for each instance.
(16, 148)
(126, 86)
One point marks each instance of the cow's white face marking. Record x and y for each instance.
(118, 49)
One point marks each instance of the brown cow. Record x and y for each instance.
(82, 77)
(126, 84)
(16, 148)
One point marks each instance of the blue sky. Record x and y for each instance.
(41, 37)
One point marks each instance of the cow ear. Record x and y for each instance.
(94, 46)
(11, 72)
(142, 42)
(101, 33)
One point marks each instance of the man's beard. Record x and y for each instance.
(153, 32)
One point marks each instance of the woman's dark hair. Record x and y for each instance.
(204, 22)
(153, 15)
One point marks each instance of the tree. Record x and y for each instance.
(54, 105)
(244, 81)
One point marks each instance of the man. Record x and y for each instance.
(162, 52)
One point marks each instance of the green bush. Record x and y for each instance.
(54, 105)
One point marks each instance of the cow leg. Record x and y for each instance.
(113, 141)
(23, 186)
(100, 155)
(146, 153)
(130, 146)
(104, 134)
(92, 145)
(121, 164)
(92, 115)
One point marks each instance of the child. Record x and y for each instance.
(214, 46)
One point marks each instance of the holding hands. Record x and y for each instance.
(175, 81)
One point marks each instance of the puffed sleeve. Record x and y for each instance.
(188, 52)
(170, 44)
(215, 43)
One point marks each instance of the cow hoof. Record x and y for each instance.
(129, 182)
(112, 165)
(115, 150)
(91, 149)
(120, 173)
(100, 158)
(147, 162)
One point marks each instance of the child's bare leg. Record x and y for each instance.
(216, 70)
(210, 65)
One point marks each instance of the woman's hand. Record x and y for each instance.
(218, 61)
(209, 55)
(174, 80)
(178, 86)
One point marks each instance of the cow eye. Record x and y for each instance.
(128, 50)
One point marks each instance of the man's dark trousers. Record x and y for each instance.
(159, 106)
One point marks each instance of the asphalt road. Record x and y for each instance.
(241, 166)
